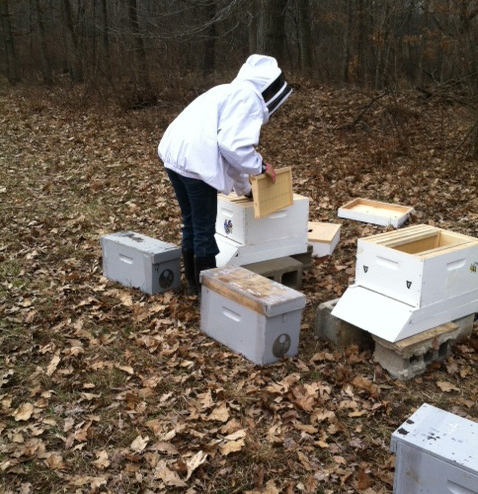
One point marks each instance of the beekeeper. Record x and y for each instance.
(210, 147)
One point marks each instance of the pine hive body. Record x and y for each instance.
(411, 280)
(324, 237)
(436, 453)
(244, 239)
(138, 261)
(251, 314)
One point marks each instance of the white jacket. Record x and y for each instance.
(214, 138)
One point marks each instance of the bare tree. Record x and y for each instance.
(44, 59)
(271, 29)
(11, 66)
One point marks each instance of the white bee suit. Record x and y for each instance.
(214, 138)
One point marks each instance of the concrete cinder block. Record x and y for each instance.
(305, 258)
(410, 357)
(338, 331)
(284, 270)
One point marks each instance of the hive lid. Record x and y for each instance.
(376, 212)
(441, 434)
(262, 295)
(159, 251)
(322, 232)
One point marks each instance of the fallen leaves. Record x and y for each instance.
(106, 389)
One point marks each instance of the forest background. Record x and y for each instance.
(106, 390)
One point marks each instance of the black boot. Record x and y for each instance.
(201, 264)
(189, 271)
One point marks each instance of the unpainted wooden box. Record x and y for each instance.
(436, 453)
(236, 221)
(138, 261)
(252, 315)
(419, 265)
(324, 237)
(375, 212)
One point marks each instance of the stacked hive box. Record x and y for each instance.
(411, 280)
(243, 239)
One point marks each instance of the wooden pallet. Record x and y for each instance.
(270, 197)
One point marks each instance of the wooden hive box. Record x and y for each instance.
(376, 212)
(324, 237)
(252, 315)
(138, 261)
(436, 453)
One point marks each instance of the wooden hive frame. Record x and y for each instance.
(270, 197)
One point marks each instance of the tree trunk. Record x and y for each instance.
(271, 30)
(347, 43)
(44, 60)
(209, 60)
(12, 72)
(105, 40)
(305, 40)
(253, 26)
(74, 63)
(138, 44)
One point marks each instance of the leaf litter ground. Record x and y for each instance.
(105, 389)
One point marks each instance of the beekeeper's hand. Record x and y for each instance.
(270, 172)
(249, 195)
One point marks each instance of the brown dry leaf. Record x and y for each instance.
(23, 412)
(367, 385)
(269, 488)
(220, 414)
(53, 365)
(126, 368)
(54, 461)
(139, 444)
(236, 435)
(198, 459)
(168, 476)
(447, 386)
(102, 460)
(232, 447)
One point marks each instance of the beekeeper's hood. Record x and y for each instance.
(266, 76)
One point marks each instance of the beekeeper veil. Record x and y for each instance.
(267, 77)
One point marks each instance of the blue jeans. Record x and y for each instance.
(198, 203)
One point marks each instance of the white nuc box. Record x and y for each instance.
(252, 315)
(244, 239)
(138, 261)
(411, 280)
(436, 453)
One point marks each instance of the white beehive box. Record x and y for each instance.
(419, 265)
(252, 315)
(436, 453)
(324, 237)
(235, 220)
(375, 212)
(411, 280)
(138, 261)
